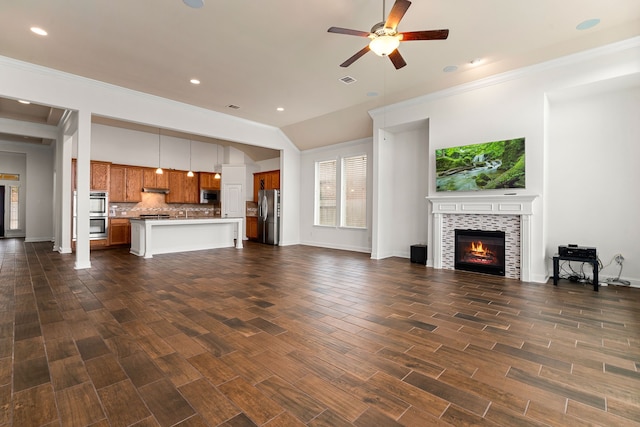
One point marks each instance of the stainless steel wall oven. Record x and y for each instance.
(98, 215)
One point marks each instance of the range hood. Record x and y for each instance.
(155, 190)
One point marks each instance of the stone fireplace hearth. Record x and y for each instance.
(511, 214)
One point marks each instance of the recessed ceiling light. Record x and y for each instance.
(22, 101)
(589, 23)
(450, 68)
(476, 61)
(196, 4)
(39, 31)
(280, 109)
(195, 81)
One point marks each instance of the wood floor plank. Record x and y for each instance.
(255, 404)
(79, 406)
(300, 335)
(122, 404)
(211, 404)
(464, 399)
(341, 401)
(299, 404)
(165, 402)
(35, 406)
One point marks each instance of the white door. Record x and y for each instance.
(232, 201)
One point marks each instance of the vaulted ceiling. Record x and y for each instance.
(259, 55)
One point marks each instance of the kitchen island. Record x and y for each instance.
(161, 236)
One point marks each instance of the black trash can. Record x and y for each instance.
(419, 254)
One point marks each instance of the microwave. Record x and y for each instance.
(210, 196)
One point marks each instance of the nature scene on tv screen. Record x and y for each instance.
(490, 165)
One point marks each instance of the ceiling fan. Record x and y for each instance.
(385, 37)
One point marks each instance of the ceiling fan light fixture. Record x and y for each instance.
(384, 45)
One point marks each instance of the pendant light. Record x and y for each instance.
(159, 171)
(218, 164)
(190, 173)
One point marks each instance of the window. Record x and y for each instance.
(326, 201)
(354, 192)
(349, 205)
(14, 223)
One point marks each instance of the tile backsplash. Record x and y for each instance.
(155, 204)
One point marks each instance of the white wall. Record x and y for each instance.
(410, 182)
(593, 197)
(333, 237)
(501, 107)
(35, 165)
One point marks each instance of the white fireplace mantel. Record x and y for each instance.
(521, 205)
(489, 205)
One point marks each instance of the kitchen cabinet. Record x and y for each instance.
(182, 188)
(252, 227)
(208, 181)
(265, 181)
(154, 180)
(192, 189)
(100, 175)
(117, 183)
(93, 244)
(125, 183)
(119, 231)
(275, 180)
(134, 184)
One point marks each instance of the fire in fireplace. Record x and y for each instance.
(480, 251)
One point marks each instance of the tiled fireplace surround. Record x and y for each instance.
(508, 213)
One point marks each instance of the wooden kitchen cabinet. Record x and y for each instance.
(100, 174)
(134, 184)
(265, 181)
(208, 181)
(192, 189)
(154, 180)
(117, 184)
(125, 183)
(176, 186)
(252, 227)
(119, 231)
(99, 177)
(275, 180)
(182, 188)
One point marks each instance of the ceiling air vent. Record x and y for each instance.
(233, 107)
(347, 80)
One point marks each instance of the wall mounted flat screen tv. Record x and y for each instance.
(485, 166)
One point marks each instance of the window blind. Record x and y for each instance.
(354, 194)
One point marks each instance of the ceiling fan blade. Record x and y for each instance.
(347, 31)
(397, 12)
(424, 35)
(397, 59)
(355, 57)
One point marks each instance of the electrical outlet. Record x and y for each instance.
(619, 259)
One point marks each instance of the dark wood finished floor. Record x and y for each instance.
(294, 336)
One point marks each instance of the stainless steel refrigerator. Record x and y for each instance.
(269, 217)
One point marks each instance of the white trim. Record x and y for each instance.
(495, 205)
